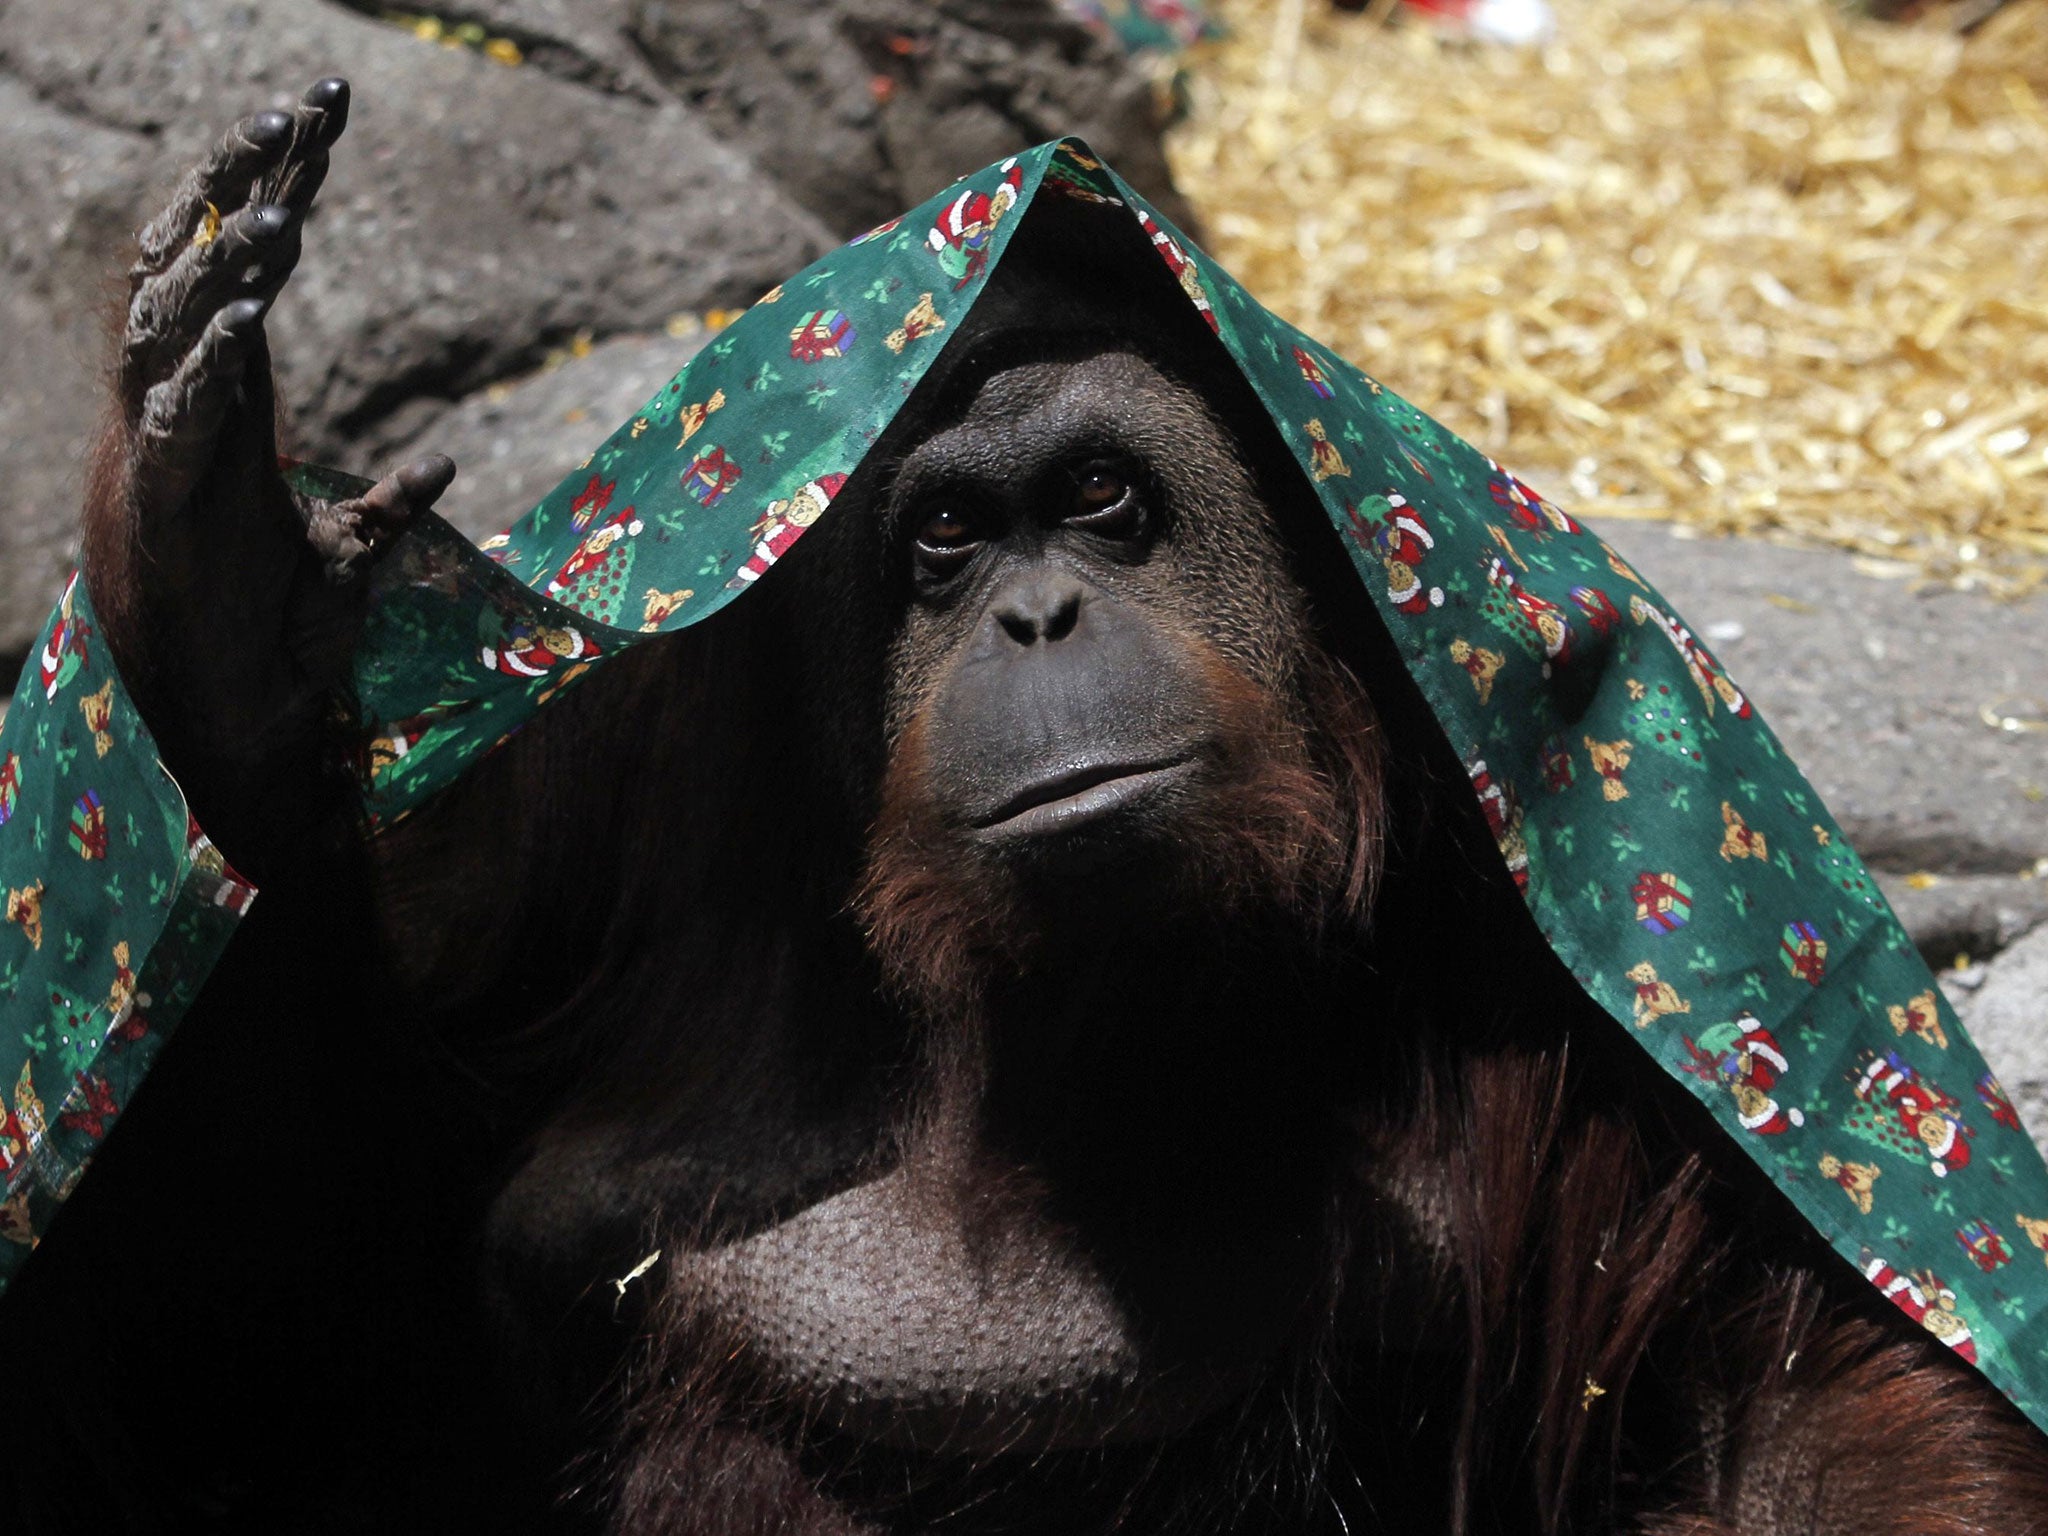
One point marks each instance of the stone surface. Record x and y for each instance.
(1878, 692)
(477, 215)
(858, 108)
(68, 188)
(647, 159)
(1966, 915)
(513, 442)
(862, 106)
(2007, 1015)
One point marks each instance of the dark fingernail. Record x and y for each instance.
(330, 98)
(269, 221)
(424, 479)
(241, 315)
(268, 128)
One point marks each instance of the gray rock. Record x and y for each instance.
(512, 443)
(863, 107)
(584, 41)
(650, 157)
(858, 108)
(1972, 915)
(1877, 691)
(2007, 1015)
(477, 216)
(67, 188)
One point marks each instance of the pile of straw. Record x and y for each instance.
(1759, 267)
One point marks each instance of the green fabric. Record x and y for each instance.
(116, 908)
(1669, 851)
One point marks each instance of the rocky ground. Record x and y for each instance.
(645, 158)
(507, 260)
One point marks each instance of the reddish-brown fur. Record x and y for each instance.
(1292, 824)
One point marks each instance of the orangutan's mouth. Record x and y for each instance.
(1071, 799)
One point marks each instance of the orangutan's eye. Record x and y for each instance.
(946, 540)
(1106, 504)
(1100, 486)
(945, 529)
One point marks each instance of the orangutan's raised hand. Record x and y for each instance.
(232, 603)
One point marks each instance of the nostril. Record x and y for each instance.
(1064, 616)
(1040, 605)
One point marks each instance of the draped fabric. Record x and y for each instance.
(1670, 853)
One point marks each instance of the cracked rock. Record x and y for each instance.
(1970, 915)
(477, 217)
(648, 158)
(67, 191)
(2007, 1015)
(512, 443)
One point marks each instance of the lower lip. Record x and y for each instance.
(1097, 800)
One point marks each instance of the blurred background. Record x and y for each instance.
(1759, 288)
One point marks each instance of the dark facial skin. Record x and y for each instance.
(1050, 646)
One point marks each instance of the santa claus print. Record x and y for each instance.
(89, 1108)
(64, 651)
(1601, 614)
(1503, 819)
(1182, 269)
(1924, 1114)
(1544, 619)
(1525, 509)
(229, 890)
(1395, 531)
(782, 523)
(21, 1129)
(1924, 1298)
(590, 502)
(960, 236)
(594, 578)
(531, 650)
(1745, 1057)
